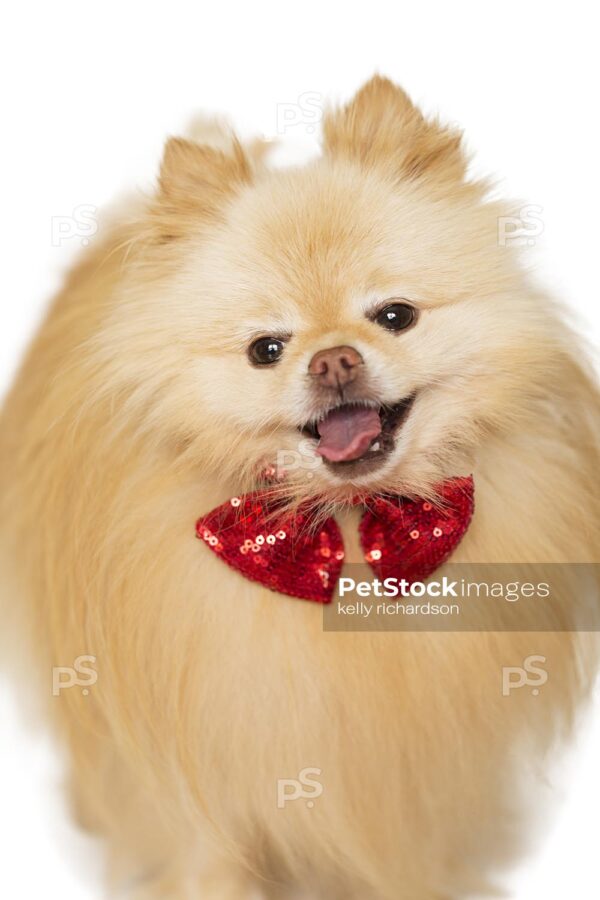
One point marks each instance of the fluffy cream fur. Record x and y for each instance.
(136, 410)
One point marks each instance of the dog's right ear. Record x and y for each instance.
(196, 182)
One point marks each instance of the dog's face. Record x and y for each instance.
(353, 325)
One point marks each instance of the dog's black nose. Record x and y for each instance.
(336, 366)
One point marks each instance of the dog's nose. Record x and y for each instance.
(336, 366)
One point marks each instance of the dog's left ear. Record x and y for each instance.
(196, 182)
(381, 128)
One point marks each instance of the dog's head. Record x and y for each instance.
(353, 324)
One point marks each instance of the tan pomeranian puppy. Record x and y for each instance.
(364, 299)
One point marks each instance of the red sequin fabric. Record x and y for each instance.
(400, 537)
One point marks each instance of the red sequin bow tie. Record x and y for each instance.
(400, 537)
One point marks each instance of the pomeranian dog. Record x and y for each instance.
(363, 306)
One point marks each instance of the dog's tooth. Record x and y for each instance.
(375, 447)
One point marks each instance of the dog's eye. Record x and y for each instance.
(265, 351)
(396, 316)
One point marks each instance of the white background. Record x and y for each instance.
(91, 91)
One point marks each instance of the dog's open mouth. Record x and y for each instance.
(355, 438)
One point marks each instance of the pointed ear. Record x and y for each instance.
(380, 128)
(196, 181)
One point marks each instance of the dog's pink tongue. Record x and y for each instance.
(347, 432)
